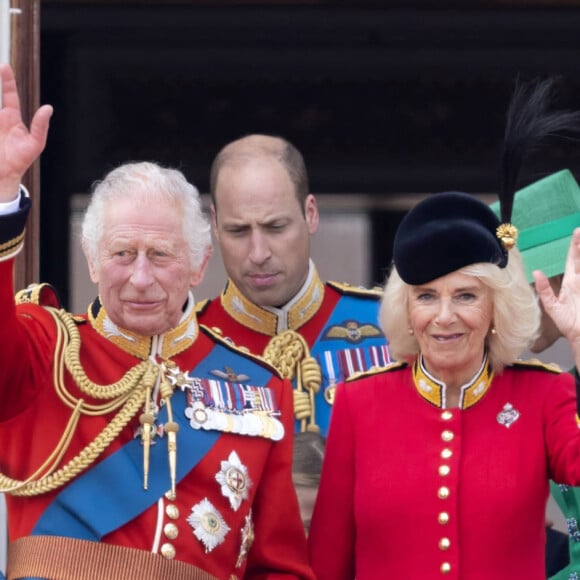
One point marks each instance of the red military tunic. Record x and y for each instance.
(33, 417)
(413, 490)
(339, 323)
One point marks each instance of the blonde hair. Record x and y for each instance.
(516, 313)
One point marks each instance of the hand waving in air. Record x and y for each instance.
(564, 309)
(19, 146)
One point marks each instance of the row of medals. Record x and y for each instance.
(254, 423)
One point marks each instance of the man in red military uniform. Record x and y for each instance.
(136, 443)
(274, 301)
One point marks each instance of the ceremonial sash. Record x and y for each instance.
(349, 342)
(76, 513)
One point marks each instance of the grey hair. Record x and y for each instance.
(145, 181)
(516, 312)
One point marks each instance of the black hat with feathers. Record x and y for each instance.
(529, 122)
(450, 230)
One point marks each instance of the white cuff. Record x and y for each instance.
(13, 206)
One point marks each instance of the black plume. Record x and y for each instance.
(529, 122)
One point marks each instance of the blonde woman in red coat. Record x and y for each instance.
(438, 466)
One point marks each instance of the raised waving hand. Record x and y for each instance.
(564, 309)
(19, 145)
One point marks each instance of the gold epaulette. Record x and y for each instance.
(200, 306)
(394, 366)
(217, 335)
(42, 294)
(537, 364)
(344, 288)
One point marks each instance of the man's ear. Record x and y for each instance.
(311, 213)
(214, 225)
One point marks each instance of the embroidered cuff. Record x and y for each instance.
(13, 225)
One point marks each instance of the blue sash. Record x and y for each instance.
(111, 494)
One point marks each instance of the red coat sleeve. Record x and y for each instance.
(561, 430)
(27, 345)
(332, 533)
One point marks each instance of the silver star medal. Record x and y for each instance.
(508, 415)
(234, 480)
(209, 527)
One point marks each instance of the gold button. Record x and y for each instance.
(447, 435)
(168, 551)
(172, 511)
(233, 577)
(446, 415)
(444, 543)
(445, 568)
(444, 470)
(443, 492)
(170, 495)
(446, 453)
(443, 518)
(171, 531)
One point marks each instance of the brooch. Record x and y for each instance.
(508, 415)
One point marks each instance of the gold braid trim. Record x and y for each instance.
(8, 247)
(289, 353)
(124, 393)
(122, 387)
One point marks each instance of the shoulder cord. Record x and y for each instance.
(123, 392)
(289, 353)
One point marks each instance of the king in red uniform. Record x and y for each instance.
(136, 443)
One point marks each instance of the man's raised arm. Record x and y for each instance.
(19, 146)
